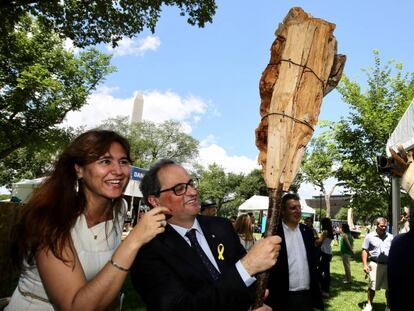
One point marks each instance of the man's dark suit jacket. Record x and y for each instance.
(169, 275)
(279, 274)
(400, 271)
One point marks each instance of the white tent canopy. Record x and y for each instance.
(24, 188)
(132, 189)
(261, 203)
(404, 132)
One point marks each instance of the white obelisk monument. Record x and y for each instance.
(137, 108)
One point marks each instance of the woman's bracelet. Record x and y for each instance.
(118, 266)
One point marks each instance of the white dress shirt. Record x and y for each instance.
(248, 280)
(299, 276)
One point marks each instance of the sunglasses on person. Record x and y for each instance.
(181, 188)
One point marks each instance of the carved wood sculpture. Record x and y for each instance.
(402, 166)
(303, 68)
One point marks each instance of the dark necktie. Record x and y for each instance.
(191, 235)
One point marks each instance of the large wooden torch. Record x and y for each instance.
(303, 68)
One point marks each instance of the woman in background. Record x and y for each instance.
(68, 238)
(346, 244)
(324, 268)
(244, 229)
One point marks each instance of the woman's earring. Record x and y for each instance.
(77, 186)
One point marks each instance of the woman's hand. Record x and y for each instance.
(150, 224)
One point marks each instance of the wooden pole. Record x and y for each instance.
(275, 197)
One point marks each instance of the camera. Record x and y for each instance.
(384, 164)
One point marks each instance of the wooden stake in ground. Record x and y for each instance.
(303, 68)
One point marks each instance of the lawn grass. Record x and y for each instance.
(350, 297)
(343, 297)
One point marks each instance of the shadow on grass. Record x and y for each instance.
(338, 287)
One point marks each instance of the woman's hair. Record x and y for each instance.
(326, 224)
(46, 220)
(345, 228)
(243, 227)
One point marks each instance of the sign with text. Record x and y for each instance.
(137, 173)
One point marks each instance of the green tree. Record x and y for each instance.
(92, 22)
(34, 161)
(40, 82)
(151, 141)
(319, 162)
(361, 136)
(220, 187)
(252, 184)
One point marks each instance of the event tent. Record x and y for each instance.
(24, 188)
(403, 134)
(261, 203)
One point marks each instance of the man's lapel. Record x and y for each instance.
(177, 246)
(215, 241)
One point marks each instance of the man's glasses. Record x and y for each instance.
(181, 189)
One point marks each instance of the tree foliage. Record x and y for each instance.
(40, 82)
(34, 161)
(361, 136)
(151, 142)
(92, 22)
(217, 185)
(252, 184)
(320, 161)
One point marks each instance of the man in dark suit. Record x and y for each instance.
(293, 281)
(170, 273)
(400, 273)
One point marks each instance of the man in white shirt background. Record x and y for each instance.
(293, 281)
(375, 250)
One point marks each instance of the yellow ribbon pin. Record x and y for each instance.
(220, 250)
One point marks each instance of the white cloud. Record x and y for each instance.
(158, 107)
(128, 46)
(68, 46)
(101, 105)
(307, 191)
(212, 153)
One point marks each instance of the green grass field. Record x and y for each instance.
(350, 297)
(343, 297)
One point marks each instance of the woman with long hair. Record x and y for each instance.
(67, 241)
(244, 229)
(325, 242)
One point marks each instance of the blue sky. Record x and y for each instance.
(208, 78)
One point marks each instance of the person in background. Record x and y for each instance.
(208, 208)
(233, 219)
(253, 221)
(293, 281)
(308, 221)
(68, 238)
(198, 263)
(324, 267)
(244, 229)
(375, 248)
(336, 233)
(404, 224)
(346, 244)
